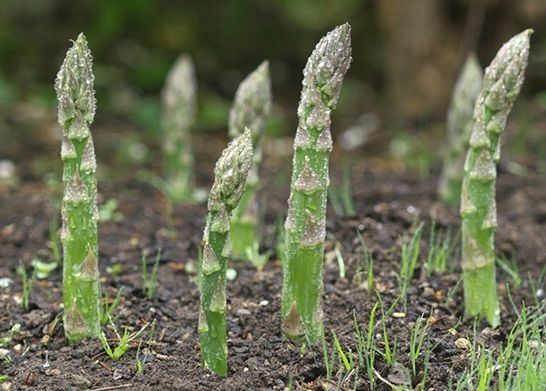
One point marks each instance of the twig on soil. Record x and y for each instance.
(127, 385)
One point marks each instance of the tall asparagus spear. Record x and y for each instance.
(501, 85)
(76, 110)
(230, 176)
(179, 107)
(250, 109)
(459, 126)
(306, 220)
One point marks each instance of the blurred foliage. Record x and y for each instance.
(134, 42)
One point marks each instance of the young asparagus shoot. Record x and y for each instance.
(76, 110)
(459, 126)
(230, 176)
(306, 219)
(501, 85)
(178, 115)
(250, 109)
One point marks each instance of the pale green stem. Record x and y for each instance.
(76, 110)
(501, 85)
(306, 219)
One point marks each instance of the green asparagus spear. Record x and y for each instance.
(76, 110)
(501, 85)
(250, 109)
(459, 126)
(179, 107)
(229, 184)
(306, 219)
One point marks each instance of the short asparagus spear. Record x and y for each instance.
(250, 108)
(306, 219)
(501, 85)
(76, 110)
(179, 107)
(230, 176)
(459, 126)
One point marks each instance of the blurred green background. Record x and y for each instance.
(406, 55)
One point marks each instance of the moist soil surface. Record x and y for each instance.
(389, 204)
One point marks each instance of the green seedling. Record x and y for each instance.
(149, 280)
(178, 115)
(459, 126)
(28, 282)
(510, 267)
(502, 82)
(254, 256)
(368, 260)
(230, 176)
(341, 198)
(441, 247)
(409, 260)
(346, 359)
(54, 240)
(251, 108)
(124, 341)
(340, 260)
(4, 378)
(141, 361)
(42, 270)
(306, 219)
(115, 269)
(76, 110)
(417, 340)
(109, 306)
(109, 211)
(6, 339)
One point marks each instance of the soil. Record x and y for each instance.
(389, 202)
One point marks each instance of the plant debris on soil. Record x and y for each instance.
(35, 355)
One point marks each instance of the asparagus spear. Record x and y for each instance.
(459, 126)
(250, 109)
(179, 107)
(306, 219)
(76, 110)
(501, 86)
(230, 176)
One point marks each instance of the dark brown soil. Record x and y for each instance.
(388, 205)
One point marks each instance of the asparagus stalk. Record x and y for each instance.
(230, 176)
(250, 108)
(459, 126)
(501, 85)
(76, 110)
(306, 219)
(179, 108)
